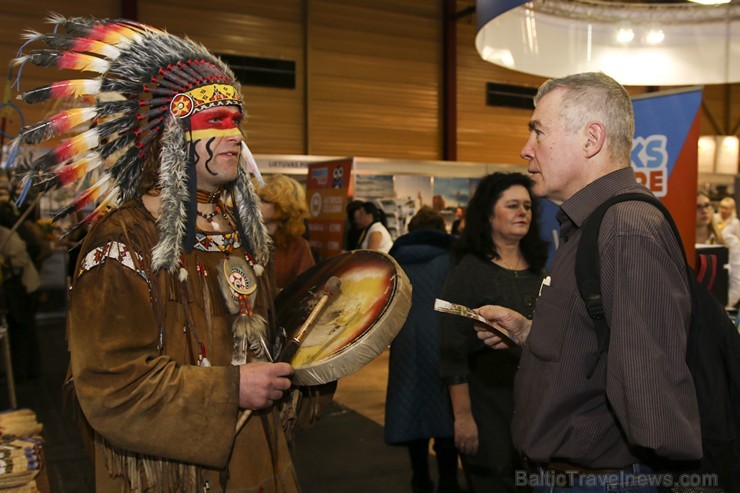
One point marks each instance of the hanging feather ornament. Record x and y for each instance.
(238, 282)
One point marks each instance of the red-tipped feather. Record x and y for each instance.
(101, 210)
(80, 61)
(98, 47)
(76, 170)
(63, 42)
(57, 124)
(62, 89)
(83, 142)
(89, 195)
(64, 60)
(115, 34)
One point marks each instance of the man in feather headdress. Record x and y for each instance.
(171, 330)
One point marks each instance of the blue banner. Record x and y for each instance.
(662, 123)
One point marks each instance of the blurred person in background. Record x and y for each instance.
(375, 235)
(22, 252)
(729, 227)
(20, 283)
(727, 216)
(499, 259)
(352, 232)
(417, 406)
(707, 232)
(284, 211)
(459, 223)
(38, 245)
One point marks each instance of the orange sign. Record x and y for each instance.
(327, 191)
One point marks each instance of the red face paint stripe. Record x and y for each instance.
(226, 119)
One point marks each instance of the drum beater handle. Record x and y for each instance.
(331, 287)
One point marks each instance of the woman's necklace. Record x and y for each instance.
(527, 301)
(515, 269)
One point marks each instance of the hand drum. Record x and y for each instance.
(356, 325)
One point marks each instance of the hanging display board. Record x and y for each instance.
(327, 187)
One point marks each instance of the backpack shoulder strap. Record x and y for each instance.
(588, 264)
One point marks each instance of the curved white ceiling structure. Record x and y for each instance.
(637, 44)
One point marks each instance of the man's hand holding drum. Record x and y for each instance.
(262, 383)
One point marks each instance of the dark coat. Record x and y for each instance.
(417, 402)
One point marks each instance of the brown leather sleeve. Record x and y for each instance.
(134, 397)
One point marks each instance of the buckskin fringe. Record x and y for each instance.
(146, 473)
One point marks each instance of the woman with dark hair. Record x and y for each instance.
(375, 235)
(352, 231)
(499, 260)
(459, 223)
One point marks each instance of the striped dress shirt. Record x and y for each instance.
(641, 395)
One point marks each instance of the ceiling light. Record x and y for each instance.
(672, 43)
(625, 35)
(654, 37)
(710, 2)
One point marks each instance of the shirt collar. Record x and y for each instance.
(577, 208)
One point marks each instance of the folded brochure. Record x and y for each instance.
(463, 311)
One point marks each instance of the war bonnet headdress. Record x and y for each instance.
(150, 82)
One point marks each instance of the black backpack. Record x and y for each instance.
(713, 349)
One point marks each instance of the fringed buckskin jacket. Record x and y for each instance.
(161, 422)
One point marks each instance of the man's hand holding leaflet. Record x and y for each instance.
(492, 332)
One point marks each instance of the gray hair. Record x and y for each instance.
(596, 96)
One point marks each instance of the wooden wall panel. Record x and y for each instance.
(723, 104)
(374, 71)
(275, 116)
(486, 133)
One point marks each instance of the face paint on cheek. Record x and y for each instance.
(210, 156)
